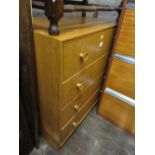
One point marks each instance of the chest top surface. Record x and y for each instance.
(71, 27)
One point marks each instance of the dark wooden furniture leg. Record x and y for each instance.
(54, 11)
(85, 2)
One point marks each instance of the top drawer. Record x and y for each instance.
(80, 52)
(126, 40)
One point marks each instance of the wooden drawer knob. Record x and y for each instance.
(76, 107)
(101, 44)
(74, 124)
(84, 56)
(80, 86)
(102, 36)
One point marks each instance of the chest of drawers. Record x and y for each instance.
(70, 69)
(118, 100)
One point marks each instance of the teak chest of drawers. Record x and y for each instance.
(118, 100)
(70, 69)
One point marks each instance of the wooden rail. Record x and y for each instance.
(54, 10)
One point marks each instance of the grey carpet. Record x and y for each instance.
(95, 136)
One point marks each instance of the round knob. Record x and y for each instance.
(84, 56)
(76, 107)
(80, 86)
(74, 124)
(102, 36)
(101, 44)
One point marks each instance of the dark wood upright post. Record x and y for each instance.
(29, 103)
(85, 2)
(54, 11)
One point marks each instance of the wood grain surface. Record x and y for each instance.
(126, 40)
(81, 52)
(118, 112)
(122, 78)
(72, 27)
(58, 92)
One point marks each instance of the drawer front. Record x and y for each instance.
(79, 53)
(68, 130)
(75, 86)
(118, 111)
(126, 40)
(122, 77)
(71, 110)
